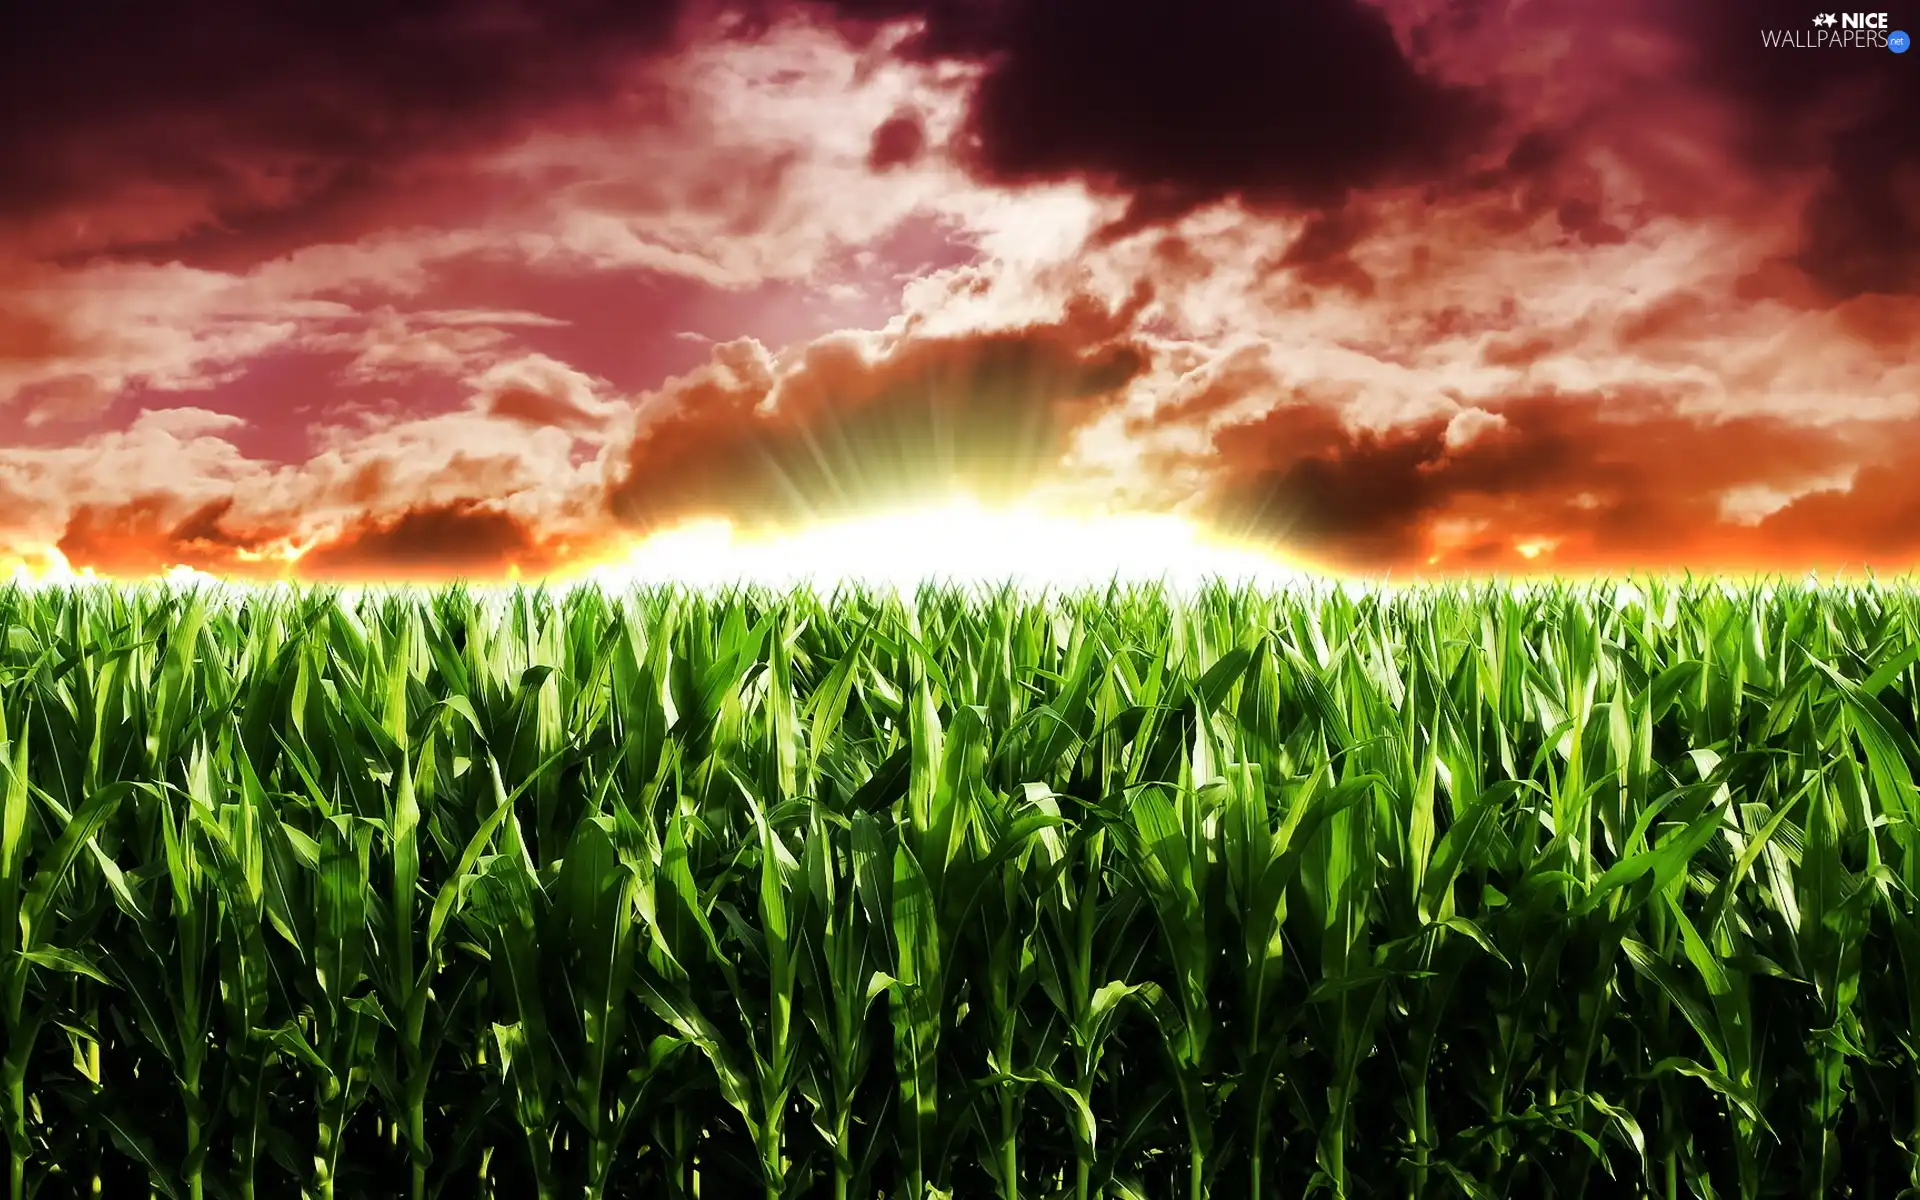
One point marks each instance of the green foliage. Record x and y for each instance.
(1545, 891)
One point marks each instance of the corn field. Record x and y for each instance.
(1478, 891)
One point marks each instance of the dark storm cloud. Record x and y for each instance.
(1853, 112)
(1180, 103)
(275, 125)
(221, 132)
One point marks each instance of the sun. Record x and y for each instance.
(959, 542)
(962, 541)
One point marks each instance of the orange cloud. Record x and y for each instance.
(1576, 482)
(140, 538)
(463, 540)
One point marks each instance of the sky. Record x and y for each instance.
(360, 290)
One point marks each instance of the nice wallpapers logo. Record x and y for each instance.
(1840, 31)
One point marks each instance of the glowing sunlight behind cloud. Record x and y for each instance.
(961, 542)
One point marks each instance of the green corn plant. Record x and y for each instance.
(680, 942)
(1835, 904)
(1090, 970)
(28, 907)
(1263, 851)
(842, 961)
(784, 899)
(234, 836)
(842, 934)
(1052, 899)
(1350, 991)
(1170, 863)
(1022, 1047)
(511, 909)
(595, 892)
(169, 968)
(412, 960)
(337, 1044)
(753, 1045)
(1443, 942)
(317, 898)
(953, 835)
(1595, 778)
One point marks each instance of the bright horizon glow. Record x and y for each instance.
(960, 542)
(43, 565)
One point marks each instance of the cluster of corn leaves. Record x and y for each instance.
(1479, 892)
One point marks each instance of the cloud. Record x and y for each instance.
(1845, 117)
(857, 421)
(144, 537)
(181, 454)
(734, 162)
(82, 336)
(201, 131)
(1874, 518)
(540, 392)
(771, 158)
(173, 489)
(467, 539)
(1601, 118)
(391, 345)
(897, 141)
(1602, 479)
(1179, 106)
(457, 540)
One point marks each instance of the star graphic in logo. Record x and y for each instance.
(1827, 19)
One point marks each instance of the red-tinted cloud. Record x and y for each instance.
(897, 141)
(540, 392)
(209, 130)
